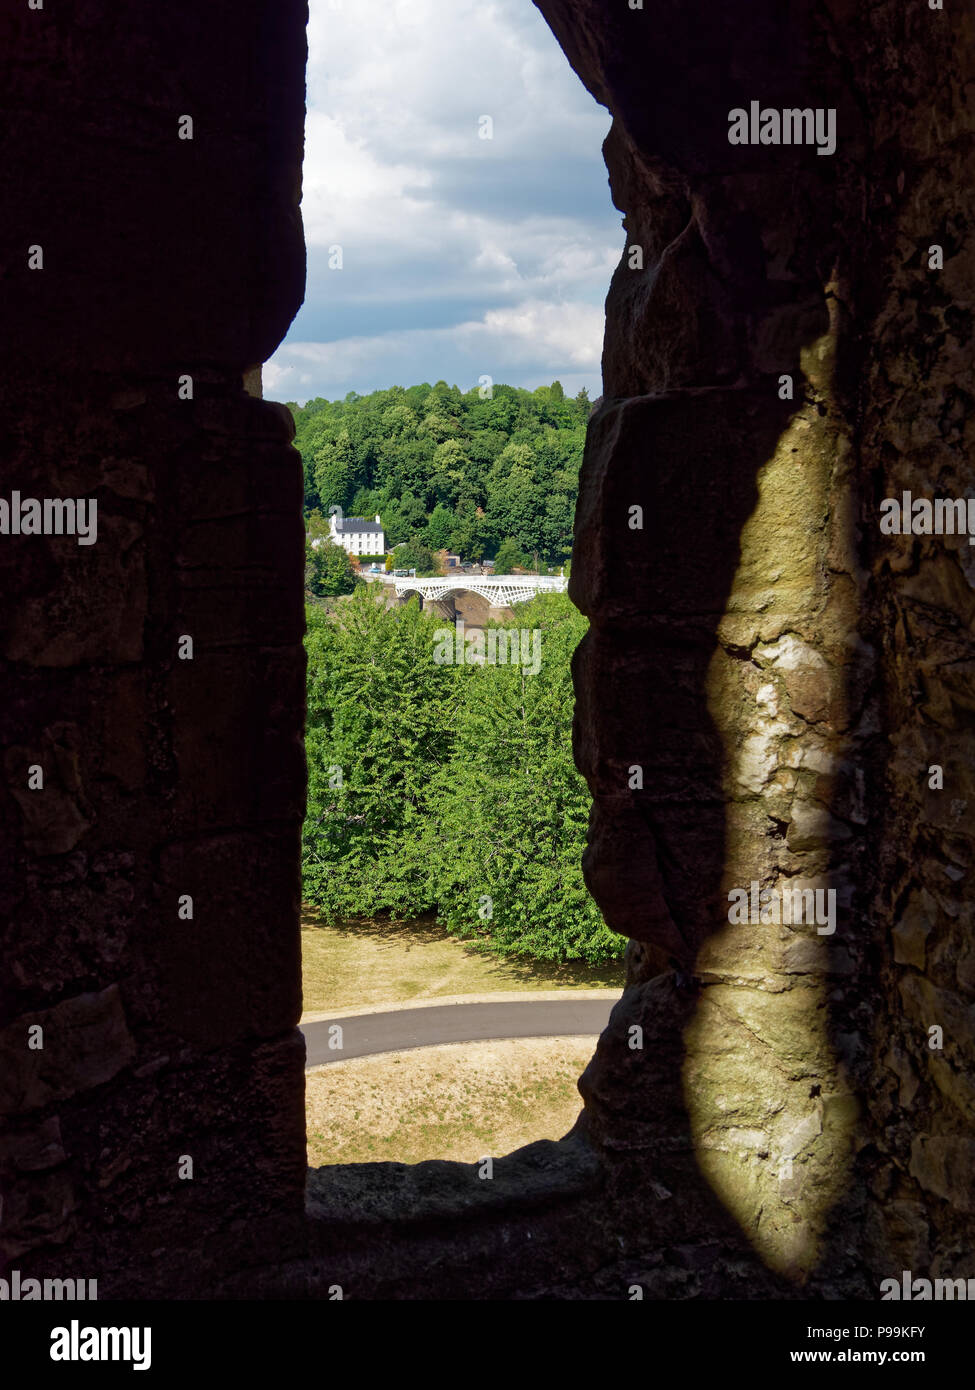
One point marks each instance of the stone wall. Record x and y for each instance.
(781, 675)
(164, 1038)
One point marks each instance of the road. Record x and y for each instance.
(400, 1029)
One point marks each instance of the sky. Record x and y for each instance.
(461, 257)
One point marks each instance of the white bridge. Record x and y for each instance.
(501, 590)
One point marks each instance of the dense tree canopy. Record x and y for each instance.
(449, 468)
(329, 569)
(377, 726)
(439, 784)
(508, 557)
(414, 555)
(449, 787)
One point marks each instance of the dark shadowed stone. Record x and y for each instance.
(35, 1149)
(244, 897)
(944, 1165)
(165, 257)
(86, 1042)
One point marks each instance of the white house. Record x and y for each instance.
(358, 536)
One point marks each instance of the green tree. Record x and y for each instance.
(379, 713)
(329, 570)
(514, 503)
(316, 526)
(399, 419)
(507, 466)
(463, 529)
(436, 785)
(440, 528)
(365, 503)
(403, 519)
(438, 427)
(556, 525)
(451, 467)
(506, 828)
(414, 555)
(335, 473)
(508, 557)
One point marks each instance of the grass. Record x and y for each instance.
(461, 1101)
(371, 961)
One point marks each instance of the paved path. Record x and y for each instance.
(400, 1029)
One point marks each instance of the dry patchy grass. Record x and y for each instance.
(460, 1101)
(372, 961)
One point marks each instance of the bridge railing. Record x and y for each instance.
(508, 587)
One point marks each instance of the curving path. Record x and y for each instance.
(397, 1030)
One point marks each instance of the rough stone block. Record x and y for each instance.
(86, 1041)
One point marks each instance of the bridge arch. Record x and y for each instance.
(502, 591)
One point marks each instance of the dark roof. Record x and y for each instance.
(358, 523)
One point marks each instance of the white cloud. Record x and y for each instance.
(452, 245)
(516, 346)
(570, 331)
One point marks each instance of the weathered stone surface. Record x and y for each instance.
(163, 258)
(944, 1165)
(911, 932)
(784, 675)
(241, 887)
(84, 1042)
(37, 1212)
(46, 783)
(35, 1149)
(793, 691)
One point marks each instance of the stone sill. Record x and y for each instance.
(403, 1195)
